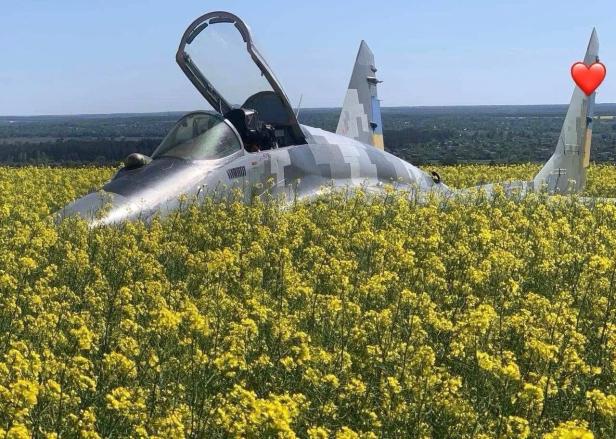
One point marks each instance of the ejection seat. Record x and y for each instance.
(254, 133)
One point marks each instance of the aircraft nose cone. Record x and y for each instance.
(100, 209)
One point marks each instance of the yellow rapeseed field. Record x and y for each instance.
(344, 318)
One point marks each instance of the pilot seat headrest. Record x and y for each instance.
(246, 121)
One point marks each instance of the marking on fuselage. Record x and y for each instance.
(236, 172)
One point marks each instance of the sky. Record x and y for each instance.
(118, 56)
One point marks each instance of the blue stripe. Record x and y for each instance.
(376, 115)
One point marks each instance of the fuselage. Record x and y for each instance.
(296, 172)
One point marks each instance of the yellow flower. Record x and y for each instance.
(318, 433)
(351, 315)
(83, 336)
(18, 431)
(517, 428)
(570, 430)
(604, 404)
(346, 433)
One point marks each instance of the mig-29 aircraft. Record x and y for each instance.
(254, 142)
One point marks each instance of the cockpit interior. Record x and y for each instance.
(209, 136)
(256, 135)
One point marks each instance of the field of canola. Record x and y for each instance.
(345, 318)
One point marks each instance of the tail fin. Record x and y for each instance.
(361, 113)
(565, 172)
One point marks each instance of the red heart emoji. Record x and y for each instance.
(588, 78)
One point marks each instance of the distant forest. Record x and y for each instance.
(447, 135)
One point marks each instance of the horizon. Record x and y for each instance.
(384, 108)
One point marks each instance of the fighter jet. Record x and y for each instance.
(253, 140)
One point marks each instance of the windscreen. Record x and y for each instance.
(220, 53)
(199, 136)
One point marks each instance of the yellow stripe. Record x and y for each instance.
(377, 141)
(587, 143)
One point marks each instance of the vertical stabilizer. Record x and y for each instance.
(361, 113)
(565, 172)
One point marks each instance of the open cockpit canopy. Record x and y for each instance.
(218, 56)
